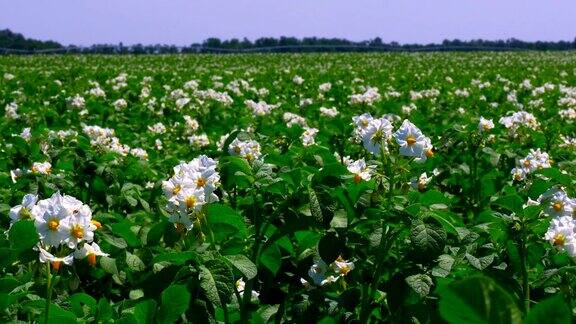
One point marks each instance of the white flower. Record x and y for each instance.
(298, 80)
(341, 266)
(41, 167)
(308, 136)
(377, 134)
(324, 87)
(89, 251)
(317, 271)
(62, 219)
(361, 171)
(292, 119)
(421, 183)
(157, 128)
(23, 211)
(329, 112)
(199, 140)
(26, 134)
(139, 153)
(241, 285)
(411, 140)
(249, 150)
(485, 124)
(557, 203)
(561, 234)
(11, 110)
(46, 256)
(120, 104)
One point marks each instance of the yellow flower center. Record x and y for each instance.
(53, 224)
(557, 206)
(55, 265)
(364, 123)
(249, 157)
(176, 189)
(190, 201)
(429, 153)
(411, 140)
(237, 150)
(200, 182)
(357, 178)
(77, 231)
(24, 213)
(559, 239)
(91, 259)
(527, 163)
(486, 127)
(96, 223)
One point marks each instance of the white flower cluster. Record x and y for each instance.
(562, 230)
(120, 104)
(157, 128)
(191, 124)
(249, 149)
(62, 134)
(189, 189)
(104, 138)
(329, 112)
(61, 221)
(535, 160)
(369, 97)
(319, 271)
(372, 132)
(260, 108)
(77, 101)
(569, 113)
(221, 97)
(324, 87)
(292, 119)
(517, 119)
(11, 110)
(199, 140)
(308, 136)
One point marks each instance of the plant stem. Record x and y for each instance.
(48, 292)
(525, 284)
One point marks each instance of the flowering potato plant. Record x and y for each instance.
(288, 188)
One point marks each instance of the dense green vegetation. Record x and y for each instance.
(288, 188)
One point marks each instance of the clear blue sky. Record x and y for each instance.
(183, 22)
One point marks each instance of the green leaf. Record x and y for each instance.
(177, 258)
(478, 300)
(480, 263)
(175, 300)
(330, 247)
(225, 222)
(23, 235)
(144, 311)
(445, 263)
(134, 262)
(421, 284)
(105, 311)
(552, 310)
(123, 230)
(244, 265)
(216, 280)
(428, 238)
(512, 203)
(79, 300)
(109, 265)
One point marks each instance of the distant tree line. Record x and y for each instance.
(11, 42)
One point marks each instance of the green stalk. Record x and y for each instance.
(48, 292)
(524, 269)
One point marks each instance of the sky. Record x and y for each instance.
(182, 22)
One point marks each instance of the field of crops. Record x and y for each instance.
(288, 188)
